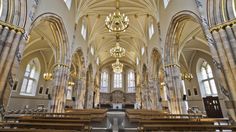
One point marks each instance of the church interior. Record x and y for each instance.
(117, 65)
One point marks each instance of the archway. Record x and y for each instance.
(51, 47)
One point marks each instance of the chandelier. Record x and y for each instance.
(117, 22)
(117, 66)
(117, 51)
(47, 76)
(70, 83)
(187, 76)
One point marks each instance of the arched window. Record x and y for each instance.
(131, 82)
(68, 3)
(117, 80)
(104, 82)
(69, 93)
(150, 30)
(84, 29)
(30, 80)
(166, 2)
(207, 80)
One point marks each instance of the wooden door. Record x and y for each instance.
(212, 107)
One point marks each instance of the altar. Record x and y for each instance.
(117, 106)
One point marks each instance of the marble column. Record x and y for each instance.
(61, 75)
(6, 49)
(223, 72)
(77, 93)
(90, 94)
(3, 37)
(175, 88)
(138, 94)
(81, 98)
(8, 52)
(227, 48)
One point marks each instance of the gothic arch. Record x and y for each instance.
(60, 37)
(171, 49)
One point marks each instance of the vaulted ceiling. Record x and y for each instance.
(140, 12)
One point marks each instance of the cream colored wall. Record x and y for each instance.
(18, 101)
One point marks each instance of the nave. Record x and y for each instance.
(118, 65)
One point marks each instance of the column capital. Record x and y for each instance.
(12, 27)
(172, 65)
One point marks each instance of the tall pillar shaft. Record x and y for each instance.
(6, 61)
(82, 96)
(175, 89)
(90, 95)
(59, 90)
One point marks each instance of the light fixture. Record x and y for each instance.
(117, 66)
(117, 22)
(47, 76)
(70, 83)
(187, 76)
(117, 51)
(97, 61)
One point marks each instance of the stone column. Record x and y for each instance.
(78, 92)
(97, 96)
(174, 85)
(153, 94)
(6, 49)
(61, 75)
(158, 94)
(6, 61)
(224, 75)
(138, 94)
(3, 37)
(81, 98)
(227, 48)
(146, 98)
(90, 94)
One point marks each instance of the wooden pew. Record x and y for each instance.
(149, 120)
(185, 127)
(33, 130)
(54, 126)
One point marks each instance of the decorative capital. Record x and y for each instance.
(12, 27)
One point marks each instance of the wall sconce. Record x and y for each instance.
(163, 84)
(187, 76)
(47, 76)
(70, 83)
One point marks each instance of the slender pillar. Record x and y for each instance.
(6, 49)
(227, 48)
(59, 89)
(81, 98)
(77, 94)
(3, 38)
(175, 89)
(90, 94)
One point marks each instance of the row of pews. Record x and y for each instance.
(153, 120)
(70, 121)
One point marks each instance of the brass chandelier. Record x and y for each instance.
(117, 66)
(117, 51)
(47, 76)
(117, 22)
(187, 76)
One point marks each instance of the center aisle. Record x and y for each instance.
(116, 122)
